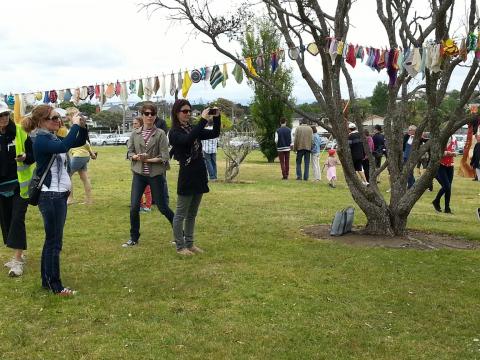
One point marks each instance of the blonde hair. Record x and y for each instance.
(38, 114)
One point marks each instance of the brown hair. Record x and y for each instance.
(148, 106)
(283, 120)
(38, 114)
(139, 119)
(177, 105)
(314, 129)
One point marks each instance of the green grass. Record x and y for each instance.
(262, 290)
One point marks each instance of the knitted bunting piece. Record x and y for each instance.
(216, 77)
(238, 73)
(46, 98)
(196, 76)
(225, 75)
(179, 80)
(173, 84)
(118, 88)
(187, 82)
(132, 86)
(140, 92)
(164, 86)
(156, 85)
(250, 66)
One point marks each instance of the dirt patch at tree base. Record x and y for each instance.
(414, 239)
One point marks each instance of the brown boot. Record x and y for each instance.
(185, 252)
(196, 250)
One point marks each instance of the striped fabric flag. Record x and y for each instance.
(216, 77)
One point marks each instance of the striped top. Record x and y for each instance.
(146, 133)
(210, 146)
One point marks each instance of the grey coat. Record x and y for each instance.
(157, 148)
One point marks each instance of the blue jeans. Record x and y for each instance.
(53, 207)
(305, 154)
(445, 178)
(411, 178)
(211, 163)
(157, 187)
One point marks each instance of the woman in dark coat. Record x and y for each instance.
(192, 176)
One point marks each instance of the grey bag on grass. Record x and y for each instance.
(342, 222)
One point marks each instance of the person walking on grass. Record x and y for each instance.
(192, 176)
(44, 121)
(303, 146)
(407, 149)
(283, 139)
(16, 170)
(79, 158)
(210, 154)
(366, 161)
(331, 164)
(148, 152)
(146, 200)
(316, 142)
(358, 154)
(445, 176)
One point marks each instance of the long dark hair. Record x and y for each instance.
(177, 105)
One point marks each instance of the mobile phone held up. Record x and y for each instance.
(213, 111)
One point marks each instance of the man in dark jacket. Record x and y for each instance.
(358, 154)
(283, 139)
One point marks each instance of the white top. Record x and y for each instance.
(60, 180)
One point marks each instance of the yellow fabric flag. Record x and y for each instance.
(17, 113)
(187, 82)
(250, 66)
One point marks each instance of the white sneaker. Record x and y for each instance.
(16, 269)
(10, 263)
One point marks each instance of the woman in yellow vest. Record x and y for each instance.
(16, 169)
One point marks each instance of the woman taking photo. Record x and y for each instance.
(192, 176)
(16, 159)
(148, 152)
(43, 122)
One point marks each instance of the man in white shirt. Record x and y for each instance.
(210, 155)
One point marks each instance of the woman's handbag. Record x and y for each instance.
(35, 186)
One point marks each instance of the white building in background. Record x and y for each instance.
(373, 120)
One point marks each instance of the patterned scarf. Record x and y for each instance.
(196, 149)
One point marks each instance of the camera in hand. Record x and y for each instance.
(213, 111)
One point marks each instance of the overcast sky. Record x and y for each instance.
(54, 44)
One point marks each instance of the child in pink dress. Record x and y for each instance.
(331, 164)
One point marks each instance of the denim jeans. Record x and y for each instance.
(305, 154)
(211, 163)
(184, 220)
(53, 207)
(157, 187)
(445, 178)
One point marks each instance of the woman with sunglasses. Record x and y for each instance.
(43, 122)
(16, 168)
(192, 177)
(148, 152)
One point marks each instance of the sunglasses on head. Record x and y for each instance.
(54, 118)
(6, 113)
(147, 113)
(186, 111)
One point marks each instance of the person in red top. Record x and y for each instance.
(445, 176)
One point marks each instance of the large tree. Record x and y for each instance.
(379, 100)
(260, 41)
(303, 21)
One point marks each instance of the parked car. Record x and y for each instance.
(243, 141)
(122, 139)
(461, 139)
(104, 139)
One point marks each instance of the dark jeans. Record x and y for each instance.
(211, 163)
(411, 178)
(284, 158)
(53, 206)
(305, 154)
(366, 169)
(445, 178)
(157, 187)
(12, 220)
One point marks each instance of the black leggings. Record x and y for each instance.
(12, 220)
(445, 178)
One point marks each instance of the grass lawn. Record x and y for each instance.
(262, 290)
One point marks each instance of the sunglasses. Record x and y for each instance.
(186, 111)
(146, 113)
(54, 118)
(4, 114)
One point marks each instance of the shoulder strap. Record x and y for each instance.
(42, 179)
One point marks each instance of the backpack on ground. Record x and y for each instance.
(342, 222)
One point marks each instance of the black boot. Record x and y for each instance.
(436, 205)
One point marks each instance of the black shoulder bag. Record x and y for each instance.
(35, 186)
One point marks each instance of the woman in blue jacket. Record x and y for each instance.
(42, 124)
